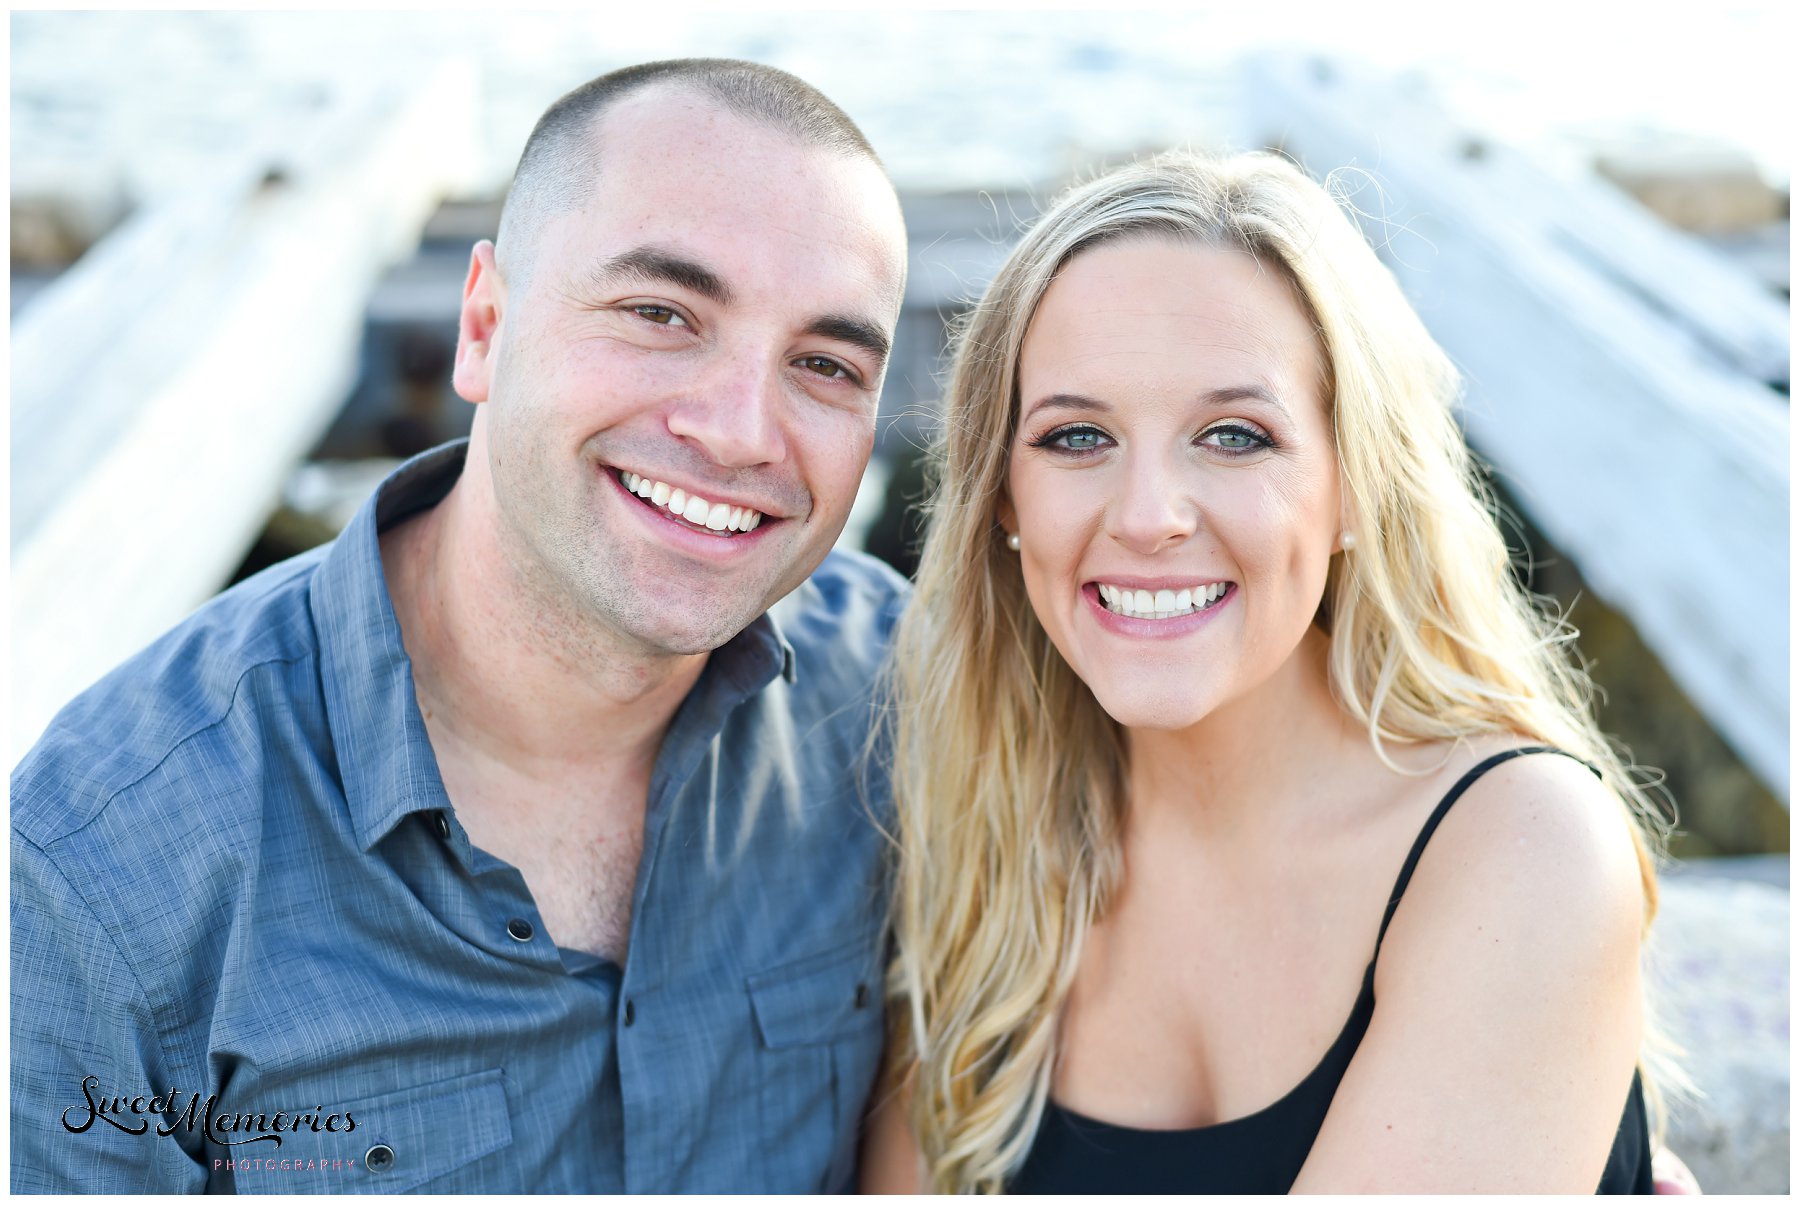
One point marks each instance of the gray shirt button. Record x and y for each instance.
(518, 930)
(379, 1157)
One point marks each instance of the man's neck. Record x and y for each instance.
(510, 673)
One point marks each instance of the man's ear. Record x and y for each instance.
(478, 325)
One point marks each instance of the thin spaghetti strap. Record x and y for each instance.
(1437, 815)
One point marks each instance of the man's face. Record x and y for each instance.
(708, 333)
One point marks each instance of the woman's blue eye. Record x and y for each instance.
(1071, 439)
(1237, 439)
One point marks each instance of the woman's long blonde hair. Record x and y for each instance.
(1009, 777)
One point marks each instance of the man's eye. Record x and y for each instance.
(825, 366)
(662, 315)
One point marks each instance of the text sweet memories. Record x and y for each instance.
(133, 1115)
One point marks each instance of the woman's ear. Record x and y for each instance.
(1004, 513)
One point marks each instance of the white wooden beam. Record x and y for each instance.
(166, 386)
(1619, 375)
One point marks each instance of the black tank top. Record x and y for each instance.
(1263, 1152)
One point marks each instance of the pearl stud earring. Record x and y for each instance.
(1347, 541)
(1012, 541)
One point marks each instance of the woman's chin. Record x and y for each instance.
(1155, 710)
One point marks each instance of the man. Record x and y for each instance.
(511, 842)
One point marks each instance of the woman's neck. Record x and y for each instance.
(1240, 770)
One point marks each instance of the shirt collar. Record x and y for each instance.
(384, 754)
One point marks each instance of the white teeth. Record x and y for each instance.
(1162, 604)
(714, 516)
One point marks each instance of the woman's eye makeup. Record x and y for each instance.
(1233, 439)
(1236, 439)
(1078, 437)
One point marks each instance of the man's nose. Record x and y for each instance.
(1153, 507)
(735, 414)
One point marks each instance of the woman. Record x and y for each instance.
(1217, 683)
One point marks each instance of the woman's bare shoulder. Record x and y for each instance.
(1507, 1003)
(1536, 846)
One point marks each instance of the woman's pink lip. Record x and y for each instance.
(1154, 629)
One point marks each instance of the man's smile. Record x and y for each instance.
(691, 521)
(721, 517)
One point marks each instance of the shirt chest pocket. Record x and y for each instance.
(400, 1141)
(818, 1022)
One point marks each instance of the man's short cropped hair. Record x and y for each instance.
(561, 160)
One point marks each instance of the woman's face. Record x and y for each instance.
(1173, 481)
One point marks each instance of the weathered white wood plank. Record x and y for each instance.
(1617, 377)
(165, 388)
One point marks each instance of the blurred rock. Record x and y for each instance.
(53, 231)
(1702, 185)
(1718, 966)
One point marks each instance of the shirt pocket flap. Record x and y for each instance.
(402, 1140)
(818, 999)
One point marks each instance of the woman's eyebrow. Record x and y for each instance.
(1223, 395)
(1067, 401)
(1243, 393)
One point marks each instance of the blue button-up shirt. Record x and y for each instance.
(243, 908)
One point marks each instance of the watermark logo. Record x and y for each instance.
(134, 1114)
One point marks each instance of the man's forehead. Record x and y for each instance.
(773, 209)
(672, 126)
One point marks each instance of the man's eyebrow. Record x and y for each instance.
(652, 265)
(854, 331)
